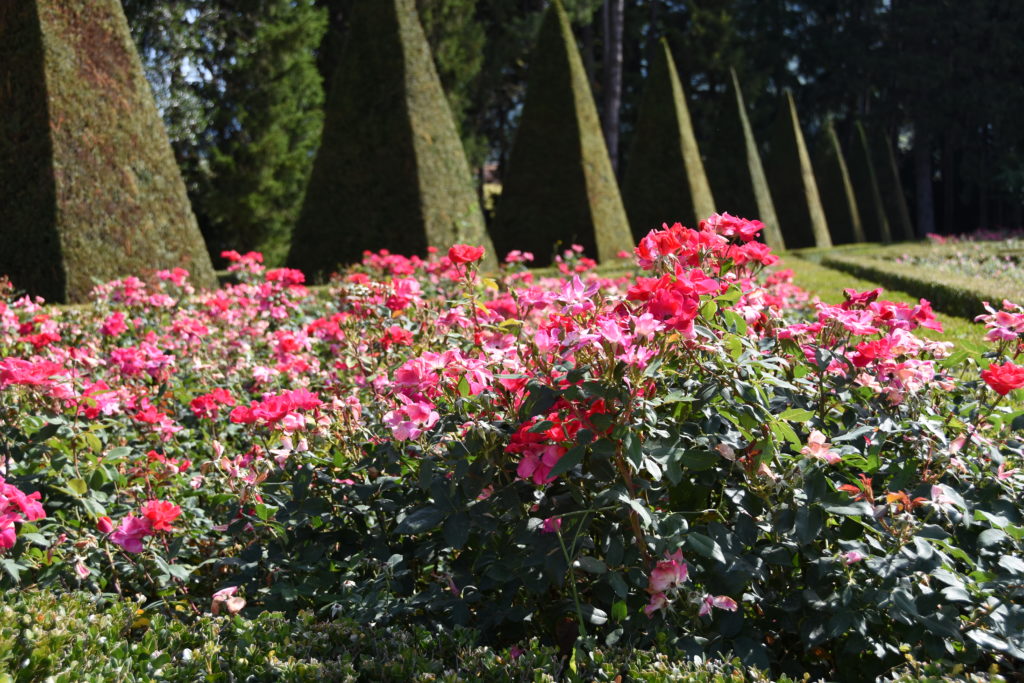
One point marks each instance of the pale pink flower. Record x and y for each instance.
(818, 447)
(668, 574)
(851, 556)
(719, 602)
(657, 602)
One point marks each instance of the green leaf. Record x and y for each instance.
(639, 508)
(572, 457)
(705, 546)
(783, 430)
(1012, 564)
(78, 486)
(634, 451)
(464, 388)
(904, 601)
(456, 530)
(595, 616)
(796, 415)
(990, 537)
(699, 460)
(619, 610)
(858, 509)
(421, 520)
(265, 512)
(591, 565)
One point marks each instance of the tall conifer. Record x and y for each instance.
(836, 190)
(735, 169)
(268, 124)
(794, 187)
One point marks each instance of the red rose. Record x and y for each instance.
(160, 514)
(1004, 378)
(465, 253)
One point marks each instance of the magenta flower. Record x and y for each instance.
(131, 532)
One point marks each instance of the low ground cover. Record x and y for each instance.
(693, 458)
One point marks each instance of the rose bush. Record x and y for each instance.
(694, 457)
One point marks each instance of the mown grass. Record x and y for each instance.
(828, 285)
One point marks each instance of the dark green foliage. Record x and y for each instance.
(268, 123)
(792, 182)
(560, 188)
(891, 187)
(665, 180)
(865, 186)
(391, 171)
(735, 169)
(836, 191)
(88, 186)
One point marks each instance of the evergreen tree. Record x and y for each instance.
(735, 170)
(792, 182)
(864, 178)
(835, 188)
(268, 125)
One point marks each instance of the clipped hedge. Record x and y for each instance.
(560, 187)
(89, 189)
(962, 296)
(792, 182)
(391, 168)
(84, 637)
(665, 181)
(740, 188)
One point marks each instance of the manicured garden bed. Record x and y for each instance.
(957, 276)
(691, 459)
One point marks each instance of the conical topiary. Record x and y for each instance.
(735, 169)
(391, 171)
(792, 182)
(665, 180)
(560, 187)
(89, 189)
(836, 191)
(891, 187)
(865, 187)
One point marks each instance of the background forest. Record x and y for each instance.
(241, 86)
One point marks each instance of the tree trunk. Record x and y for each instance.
(923, 185)
(613, 13)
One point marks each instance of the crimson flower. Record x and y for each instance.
(1004, 378)
(465, 253)
(160, 514)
